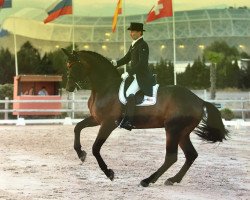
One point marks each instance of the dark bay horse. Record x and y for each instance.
(177, 109)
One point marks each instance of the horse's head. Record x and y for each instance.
(76, 70)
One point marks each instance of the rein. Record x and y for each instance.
(69, 66)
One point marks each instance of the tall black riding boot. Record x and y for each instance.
(127, 121)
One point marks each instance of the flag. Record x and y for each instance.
(3, 32)
(60, 7)
(163, 8)
(5, 3)
(118, 11)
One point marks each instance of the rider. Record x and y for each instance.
(138, 54)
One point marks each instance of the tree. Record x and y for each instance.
(7, 66)
(220, 55)
(46, 65)
(245, 71)
(195, 76)
(232, 74)
(58, 60)
(214, 58)
(165, 72)
(28, 59)
(245, 76)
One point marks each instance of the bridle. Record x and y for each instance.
(69, 66)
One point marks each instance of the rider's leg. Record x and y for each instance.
(133, 88)
(127, 121)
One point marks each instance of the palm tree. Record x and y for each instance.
(214, 58)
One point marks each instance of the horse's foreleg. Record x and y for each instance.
(87, 122)
(105, 130)
(190, 154)
(170, 159)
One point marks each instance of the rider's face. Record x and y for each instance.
(135, 34)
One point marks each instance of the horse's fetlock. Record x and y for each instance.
(175, 179)
(77, 148)
(145, 182)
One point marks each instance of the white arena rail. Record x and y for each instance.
(71, 109)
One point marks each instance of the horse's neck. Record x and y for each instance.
(104, 84)
(102, 76)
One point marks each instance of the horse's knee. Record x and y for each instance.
(95, 151)
(171, 158)
(191, 156)
(77, 128)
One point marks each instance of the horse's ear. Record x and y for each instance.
(65, 52)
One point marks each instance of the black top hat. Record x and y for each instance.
(134, 26)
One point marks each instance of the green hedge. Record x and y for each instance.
(6, 90)
(227, 114)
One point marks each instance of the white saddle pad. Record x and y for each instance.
(145, 102)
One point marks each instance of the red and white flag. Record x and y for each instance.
(163, 8)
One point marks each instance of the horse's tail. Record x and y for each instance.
(211, 127)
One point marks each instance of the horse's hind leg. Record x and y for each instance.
(170, 158)
(190, 154)
(87, 122)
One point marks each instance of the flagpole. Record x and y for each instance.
(73, 26)
(16, 63)
(15, 48)
(174, 46)
(124, 33)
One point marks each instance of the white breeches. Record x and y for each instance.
(133, 88)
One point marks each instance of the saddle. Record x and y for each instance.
(139, 96)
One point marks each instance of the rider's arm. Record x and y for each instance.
(125, 59)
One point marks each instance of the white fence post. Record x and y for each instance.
(67, 121)
(20, 121)
(73, 106)
(242, 107)
(205, 94)
(6, 107)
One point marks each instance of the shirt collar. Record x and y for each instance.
(134, 41)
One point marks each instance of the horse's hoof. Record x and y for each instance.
(144, 183)
(168, 182)
(83, 155)
(111, 174)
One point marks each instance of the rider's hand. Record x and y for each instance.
(113, 62)
(124, 75)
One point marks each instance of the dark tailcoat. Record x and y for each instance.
(138, 55)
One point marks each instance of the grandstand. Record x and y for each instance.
(195, 30)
